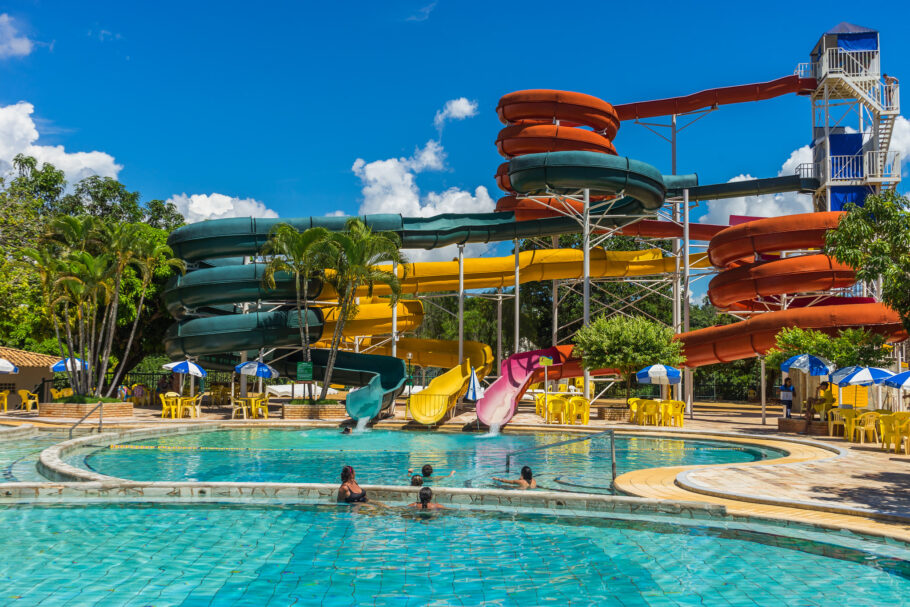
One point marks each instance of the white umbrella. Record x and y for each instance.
(659, 374)
(901, 381)
(6, 367)
(185, 366)
(475, 389)
(68, 364)
(860, 376)
(257, 369)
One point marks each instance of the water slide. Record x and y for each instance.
(520, 370)
(755, 278)
(440, 353)
(430, 405)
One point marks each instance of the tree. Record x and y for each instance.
(303, 255)
(850, 347)
(627, 344)
(874, 240)
(353, 257)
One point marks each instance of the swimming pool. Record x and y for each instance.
(384, 456)
(218, 554)
(18, 458)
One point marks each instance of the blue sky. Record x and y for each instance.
(276, 103)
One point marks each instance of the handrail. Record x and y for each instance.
(567, 442)
(100, 418)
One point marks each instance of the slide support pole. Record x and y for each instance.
(684, 297)
(555, 294)
(395, 318)
(586, 269)
(460, 304)
(517, 303)
(677, 314)
(498, 330)
(763, 395)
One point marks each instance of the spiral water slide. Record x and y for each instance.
(780, 291)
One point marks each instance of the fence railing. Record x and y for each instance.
(883, 165)
(845, 168)
(850, 63)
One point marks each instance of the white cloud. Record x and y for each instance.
(337, 213)
(455, 109)
(199, 207)
(12, 44)
(389, 186)
(18, 134)
(765, 205)
(423, 13)
(900, 140)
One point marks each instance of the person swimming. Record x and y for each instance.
(347, 430)
(350, 492)
(426, 501)
(416, 481)
(526, 481)
(427, 473)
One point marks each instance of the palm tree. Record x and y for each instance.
(149, 256)
(303, 254)
(355, 255)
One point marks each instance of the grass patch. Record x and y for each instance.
(82, 400)
(307, 401)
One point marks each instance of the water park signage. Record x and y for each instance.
(305, 371)
(545, 361)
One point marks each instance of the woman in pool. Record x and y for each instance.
(426, 501)
(417, 481)
(427, 473)
(350, 492)
(526, 481)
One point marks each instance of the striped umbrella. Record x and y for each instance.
(814, 365)
(256, 369)
(860, 376)
(901, 380)
(475, 389)
(185, 366)
(6, 367)
(68, 364)
(659, 374)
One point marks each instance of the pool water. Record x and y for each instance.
(19, 458)
(384, 457)
(217, 554)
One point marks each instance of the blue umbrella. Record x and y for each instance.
(7, 367)
(475, 389)
(860, 376)
(901, 380)
(68, 364)
(257, 369)
(659, 374)
(185, 366)
(814, 365)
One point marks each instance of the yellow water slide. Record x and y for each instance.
(431, 404)
(440, 353)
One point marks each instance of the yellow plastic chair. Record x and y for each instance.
(837, 420)
(66, 392)
(540, 404)
(556, 410)
(903, 434)
(887, 426)
(168, 406)
(191, 405)
(240, 406)
(3, 399)
(866, 427)
(261, 407)
(579, 407)
(650, 413)
(634, 410)
(55, 394)
(676, 414)
(562, 387)
(28, 399)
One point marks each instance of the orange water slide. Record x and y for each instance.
(718, 96)
(744, 280)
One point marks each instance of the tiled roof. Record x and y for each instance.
(24, 358)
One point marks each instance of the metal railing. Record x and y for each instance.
(845, 168)
(856, 64)
(99, 407)
(871, 165)
(805, 70)
(611, 433)
(807, 170)
(883, 165)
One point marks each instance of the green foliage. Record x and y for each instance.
(848, 348)
(82, 399)
(875, 241)
(627, 344)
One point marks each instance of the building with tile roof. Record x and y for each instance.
(34, 368)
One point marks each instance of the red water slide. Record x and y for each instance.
(742, 93)
(750, 281)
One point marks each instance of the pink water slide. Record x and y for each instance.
(501, 399)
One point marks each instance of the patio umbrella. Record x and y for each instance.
(7, 367)
(187, 367)
(68, 364)
(901, 380)
(860, 376)
(813, 365)
(659, 374)
(475, 389)
(257, 369)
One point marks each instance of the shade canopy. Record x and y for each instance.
(475, 388)
(68, 364)
(860, 376)
(185, 366)
(256, 369)
(901, 380)
(659, 374)
(6, 367)
(808, 363)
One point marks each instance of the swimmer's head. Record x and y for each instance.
(347, 473)
(416, 480)
(426, 496)
(427, 470)
(526, 473)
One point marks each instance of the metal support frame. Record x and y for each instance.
(586, 277)
(395, 316)
(460, 303)
(517, 303)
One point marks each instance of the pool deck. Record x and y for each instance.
(823, 480)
